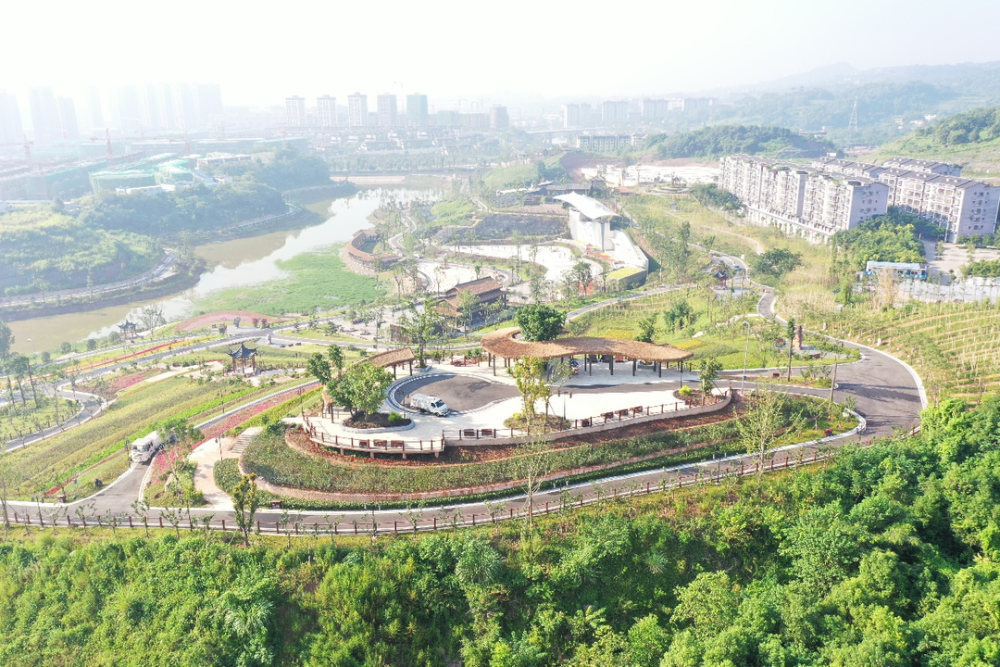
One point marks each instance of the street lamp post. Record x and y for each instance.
(746, 351)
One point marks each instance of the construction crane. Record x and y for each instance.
(222, 129)
(107, 141)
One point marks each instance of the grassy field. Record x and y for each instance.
(453, 212)
(977, 159)
(711, 334)
(315, 280)
(709, 228)
(18, 419)
(518, 175)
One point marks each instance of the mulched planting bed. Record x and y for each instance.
(379, 420)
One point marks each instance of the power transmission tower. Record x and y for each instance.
(852, 125)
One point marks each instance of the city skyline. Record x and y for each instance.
(461, 57)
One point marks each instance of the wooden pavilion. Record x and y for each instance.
(392, 358)
(129, 330)
(241, 356)
(505, 345)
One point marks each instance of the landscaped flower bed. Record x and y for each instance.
(273, 460)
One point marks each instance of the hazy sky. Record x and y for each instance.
(262, 51)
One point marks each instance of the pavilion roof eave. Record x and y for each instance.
(502, 343)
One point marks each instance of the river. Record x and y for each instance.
(238, 262)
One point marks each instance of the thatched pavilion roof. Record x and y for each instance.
(402, 355)
(503, 344)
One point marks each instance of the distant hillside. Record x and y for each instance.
(719, 140)
(44, 249)
(971, 139)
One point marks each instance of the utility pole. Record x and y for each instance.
(746, 351)
(833, 382)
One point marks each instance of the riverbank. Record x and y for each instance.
(241, 271)
(170, 285)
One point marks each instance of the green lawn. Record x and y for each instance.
(18, 419)
(315, 280)
(711, 334)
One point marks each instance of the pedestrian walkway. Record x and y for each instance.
(205, 456)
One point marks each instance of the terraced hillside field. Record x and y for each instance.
(952, 346)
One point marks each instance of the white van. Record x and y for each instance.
(431, 404)
(143, 449)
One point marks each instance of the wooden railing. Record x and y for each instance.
(372, 443)
(643, 412)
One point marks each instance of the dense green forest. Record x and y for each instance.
(289, 169)
(886, 557)
(729, 139)
(975, 126)
(44, 249)
(971, 139)
(193, 209)
(710, 194)
(894, 237)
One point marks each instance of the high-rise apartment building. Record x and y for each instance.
(932, 190)
(326, 111)
(499, 120)
(44, 116)
(11, 131)
(651, 109)
(614, 112)
(357, 110)
(801, 201)
(295, 111)
(68, 126)
(416, 110)
(576, 115)
(386, 105)
(923, 166)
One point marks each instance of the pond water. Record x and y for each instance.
(238, 262)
